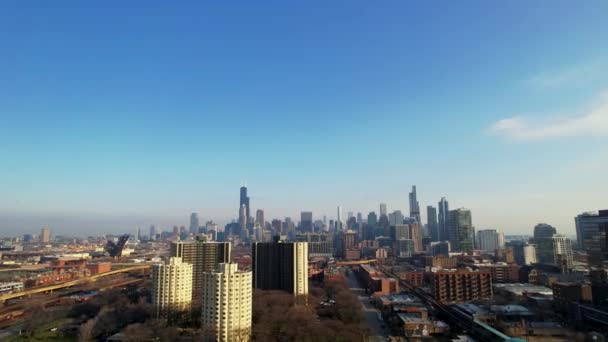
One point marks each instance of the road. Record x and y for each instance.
(369, 311)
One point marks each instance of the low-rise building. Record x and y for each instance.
(460, 285)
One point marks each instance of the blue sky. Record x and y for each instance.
(117, 115)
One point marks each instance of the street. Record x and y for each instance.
(378, 333)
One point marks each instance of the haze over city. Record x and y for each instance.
(116, 118)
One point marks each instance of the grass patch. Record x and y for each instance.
(44, 333)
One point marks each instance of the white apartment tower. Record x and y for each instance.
(227, 304)
(171, 286)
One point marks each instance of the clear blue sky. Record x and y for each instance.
(120, 114)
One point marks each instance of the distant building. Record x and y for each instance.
(194, 223)
(204, 257)
(462, 234)
(543, 230)
(306, 221)
(592, 235)
(171, 286)
(227, 303)
(431, 223)
(414, 206)
(45, 235)
(405, 247)
(460, 285)
(490, 240)
(259, 218)
(439, 248)
(556, 250)
(443, 217)
(383, 210)
(319, 244)
(281, 266)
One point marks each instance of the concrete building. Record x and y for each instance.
(462, 234)
(490, 240)
(227, 304)
(281, 266)
(460, 285)
(204, 257)
(171, 286)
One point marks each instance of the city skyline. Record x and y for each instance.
(499, 108)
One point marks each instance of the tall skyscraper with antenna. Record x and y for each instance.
(414, 205)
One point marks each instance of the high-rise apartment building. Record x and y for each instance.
(462, 234)
(431, 223)
(458, 286)
(45, 235)
(414, 206)
(227, 304)
(306, 221)
(592, 235)
(443, 218)
(281, 266)
(490, 240)
(204, 257)
(171, 286)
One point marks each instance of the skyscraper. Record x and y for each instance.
(171, 286)
(592, 235)
(431, 223)
(204, 256)
(45, 235)
(555, 250)
(359, 218)
(443, 214)
(462, 235)
(152, 232)
(243, 221)
(194, 223)
(281, 266)
(414, 205)
(259, 218)
(395, 218)
(306, 221)
(543, 230)
(339, 218)
(244, 214)
(383, 210)
(227, 303)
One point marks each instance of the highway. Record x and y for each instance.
(69, 283)
(378, 333)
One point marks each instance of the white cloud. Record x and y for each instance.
(521, 128)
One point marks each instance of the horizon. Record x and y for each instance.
(117, 117)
